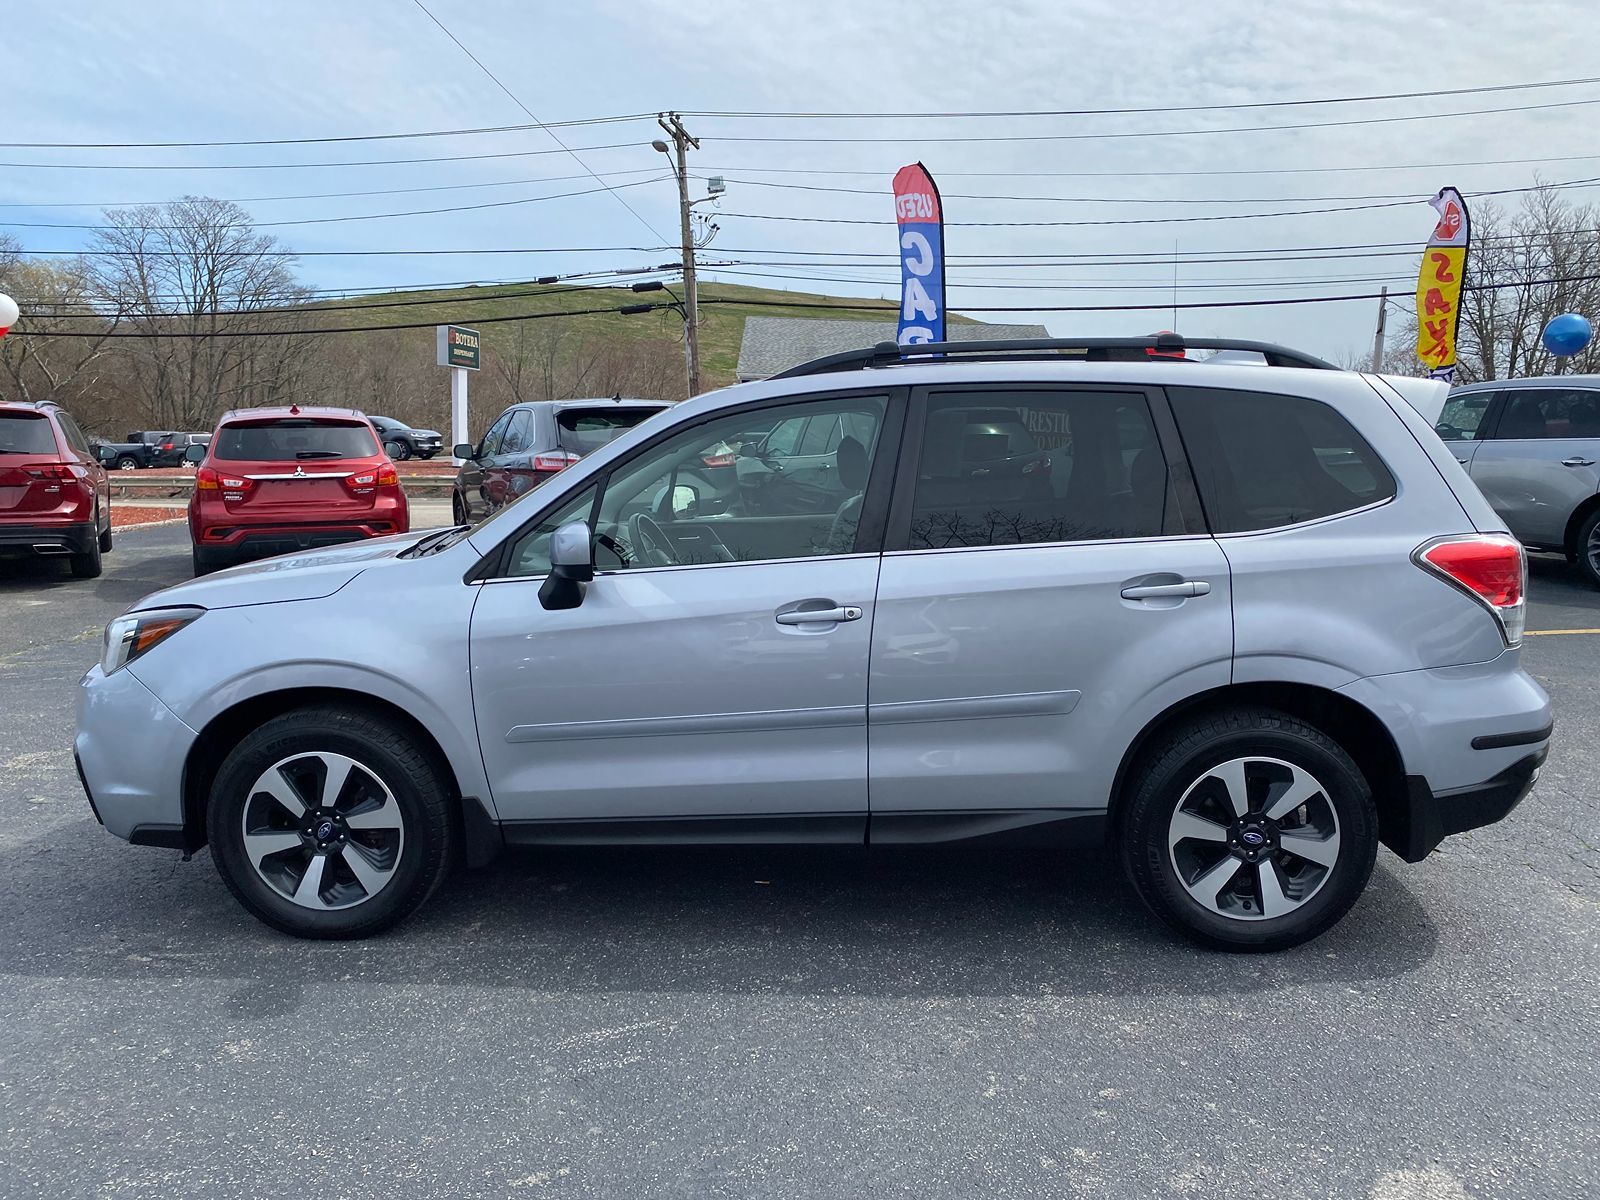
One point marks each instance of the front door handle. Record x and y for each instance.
(820, 616)
(1156, 591)
(1577, 462)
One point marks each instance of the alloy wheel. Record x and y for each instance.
(323, 831)
(1591, 551)
(1253, 838)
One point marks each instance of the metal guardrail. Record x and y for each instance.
(177, 485)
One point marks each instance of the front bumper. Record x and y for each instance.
(21, 540)
(131, 749)
(1428, 817)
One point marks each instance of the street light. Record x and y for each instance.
(9, 312)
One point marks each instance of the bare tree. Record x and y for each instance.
(195, 278)
(55, 298)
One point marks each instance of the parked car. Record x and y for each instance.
(530, 443)
(131, 455)
(273, 480)
(401, 442)
(54, 498)
(1201, 648)
(1533, 447)
(171, 450)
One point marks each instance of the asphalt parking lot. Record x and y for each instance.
(783, 1023)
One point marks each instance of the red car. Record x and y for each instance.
(276, 480)
(54, 497)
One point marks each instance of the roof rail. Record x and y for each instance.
(888, 354)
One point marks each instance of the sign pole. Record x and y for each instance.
(458, 408)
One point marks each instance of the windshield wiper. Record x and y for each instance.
(436, 541)
(317, 454)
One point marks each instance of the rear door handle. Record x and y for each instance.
(820, 616)
(1155, 591)
(1577, 462)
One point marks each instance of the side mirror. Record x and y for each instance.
(105, 454)
(194, 455)
(571, 567)
(465, 450)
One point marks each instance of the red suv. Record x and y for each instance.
(276, 480)
(54, 498)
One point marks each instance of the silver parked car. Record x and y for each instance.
(1533, 447)
(1236, 625)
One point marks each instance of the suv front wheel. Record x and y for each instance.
(1249, 829)
(330, 823)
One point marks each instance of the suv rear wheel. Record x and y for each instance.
(87, 565)
(1249, 829)
(329, 823)
(1588, 547)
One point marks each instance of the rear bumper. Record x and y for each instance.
(62, 538)
(236, 543)
(1428, 817)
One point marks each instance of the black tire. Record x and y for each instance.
(1157, 787)
(1587, 548)
(425, 455)
(105, 539)
(458, 509)
(204, 564)
(398, 451)
(390, 754)
(87, 565)
(126, 462)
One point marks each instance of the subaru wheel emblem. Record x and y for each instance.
(324, 831)
(1253, 837)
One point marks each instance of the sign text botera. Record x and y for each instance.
(459, 347)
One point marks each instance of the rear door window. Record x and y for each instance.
(1032, 465)
(1549, 413)
(1263, 460)
(519, 434)
(293, 439)
(75, 437)
(26, 433)
(585, 430)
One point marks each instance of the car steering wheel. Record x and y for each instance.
(651, 545)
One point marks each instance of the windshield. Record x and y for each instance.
(291, 438)
(585, 430)
(25, 433)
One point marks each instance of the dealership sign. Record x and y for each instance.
(921, 225)
(459, 347)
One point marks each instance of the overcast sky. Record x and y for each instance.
(97, 71)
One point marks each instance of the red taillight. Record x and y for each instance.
(166, 445)
(388, 476)
(383, 475)
(555, 460)
(62, 472)
(208, 480)
(1490, 567)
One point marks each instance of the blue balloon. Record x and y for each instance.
(1567, 334)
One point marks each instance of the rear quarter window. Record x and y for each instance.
(26, 433)
(1263, 460)
(293, 439)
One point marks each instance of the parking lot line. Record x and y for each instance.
(1555, 632)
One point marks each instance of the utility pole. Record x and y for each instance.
(681, 141)
(1377, 337)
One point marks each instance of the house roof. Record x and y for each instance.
(773, 344)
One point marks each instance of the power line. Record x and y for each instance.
(416, 212)
(312, 141)
(360, 162)
(441, 187)
(535, 119)
(1292, 212)
(943, 174)
(1162, 108)
(1149, 133)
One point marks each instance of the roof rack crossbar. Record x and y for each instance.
(886, 354)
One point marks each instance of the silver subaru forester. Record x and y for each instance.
(1235, 624)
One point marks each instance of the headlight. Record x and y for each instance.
(136, 633)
